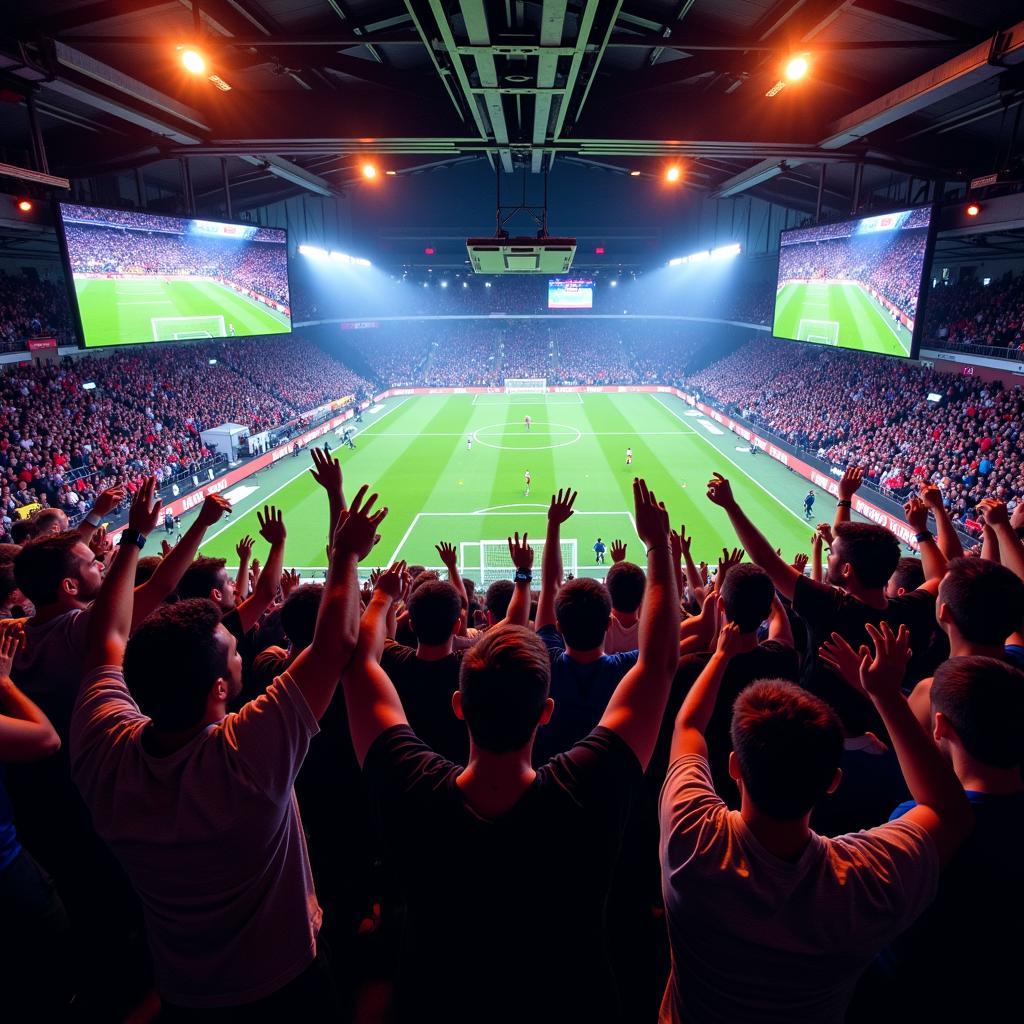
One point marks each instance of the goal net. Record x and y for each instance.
(526, 386)
(180, 328)
(493, 561)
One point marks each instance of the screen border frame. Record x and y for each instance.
(69, 277)
(922, 296)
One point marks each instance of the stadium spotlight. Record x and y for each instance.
(614, 283)
(369, 171)
(634, 174)
(444, 284)
(673, 174)
(465, 284)
(192, 60)
(973, 209)
(391, 174)
(313, 251)
(723, 252)
(797, 67)
(487, 284)
(25, 205)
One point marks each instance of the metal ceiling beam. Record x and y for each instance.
(586, 23)
(90, 14)
(988, 59)
(474, 18)
(900, 13)
(552, 23)
(291, 172)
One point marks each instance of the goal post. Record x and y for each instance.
(495, 563)
(526, 386)
(182, 328)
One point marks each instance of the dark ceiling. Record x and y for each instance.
(928, 90)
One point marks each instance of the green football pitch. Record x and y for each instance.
(413, 451)
(838, 314)
(122, 311)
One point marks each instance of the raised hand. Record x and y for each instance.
(11, 638)
(144, 513)
(254, 573)
(271, 525)
(165, 548)
(824, 532)
(800, 562)
(357, 527)
(618, 551)
(729, 640)
(108, 500)
(521, 553)
(849, 483)
(843, 659)
(931, 496)
(392, 581)
(725, 563)
(916, 512)
(100, 544)
(651, 516)
(994, 512)
(883, 675)
(244, 548)
(449, 556)
(289, 581)
(326, 472)
(560, 508)
(214, 507)
(720, 492)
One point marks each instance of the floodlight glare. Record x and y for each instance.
(369, 171)
(313, 251)
(193, 61)
(673, 174)
(973, 210)
(797, 68)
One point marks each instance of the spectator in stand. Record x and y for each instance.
(625, 582)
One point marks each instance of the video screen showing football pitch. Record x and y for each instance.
(854, 285)
(142, 277)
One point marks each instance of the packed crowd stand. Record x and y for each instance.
(857, 410)
(62, 444)
(971, 314)
(763, 792)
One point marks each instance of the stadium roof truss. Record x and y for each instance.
(897, 88)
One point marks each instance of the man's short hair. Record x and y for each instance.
(788, 743)
(434, 610)
(583, 608)
(8, 553)
(984, 599)
(21, 531)
(43, 564)
(45, 518)
(498, 598)
(747, 594)
(983, 698)
(299, 612)
(872, 551)
(201, 577)
(504, 682)
(173, 659)
(145, 567)
(626, 583)
(908, 574)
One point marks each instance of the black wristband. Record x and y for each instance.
(133, 537)
(844, 503)
(523, 576)
(923, 536)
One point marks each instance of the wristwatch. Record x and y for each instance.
(523, 576)
(133, 537)
(844, 503)
(93, 520)
(923, 536)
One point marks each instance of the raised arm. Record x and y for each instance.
(942, 808)
(693, 577)
(932, 559)
(271, 530)
(559, 511)
(849, 484)
(25, 732)
(518, 613)
(946, 535)
(168, 573)
(760, 552)
(779, 627)
(317, 669)
(821, 535)
(110, 618)
(106, 502)
(1011, 548)
(327, 473)
(244, 551)
(692, 721)
(450, 560)
(371, 699)
(637, 706)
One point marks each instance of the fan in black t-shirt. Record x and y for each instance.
(507, 868)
